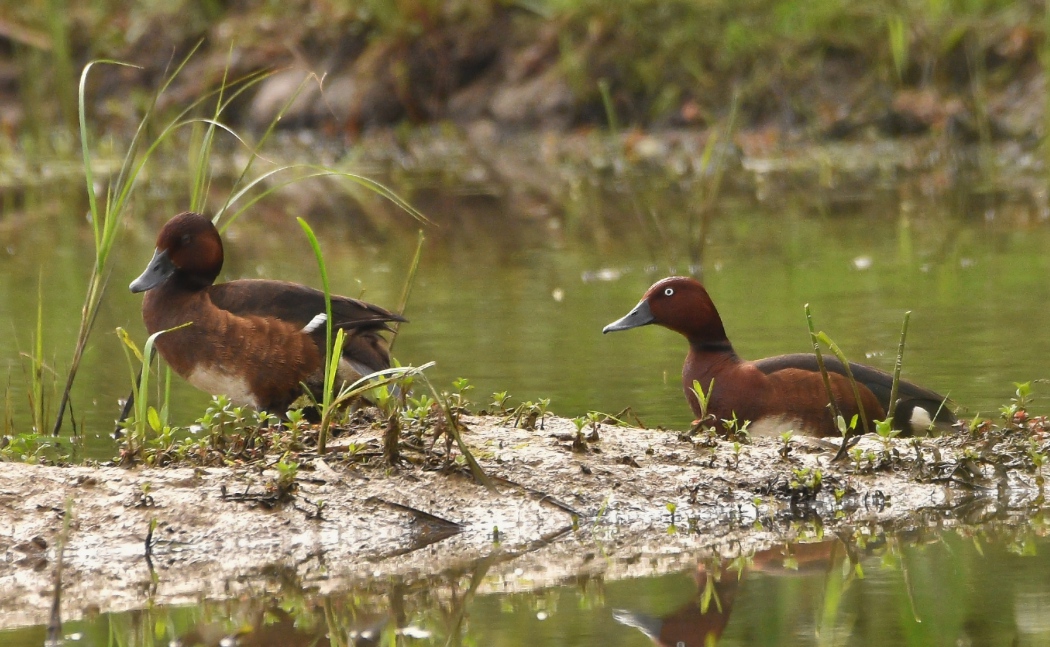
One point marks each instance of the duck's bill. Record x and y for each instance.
(640, 316)
(159, 269)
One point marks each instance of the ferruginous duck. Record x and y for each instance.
(255, 341)
(778, 393)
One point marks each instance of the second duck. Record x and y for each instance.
(778, 393)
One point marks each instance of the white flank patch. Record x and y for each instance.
(219, 383)
(315, 323)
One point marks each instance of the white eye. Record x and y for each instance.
(668, 292)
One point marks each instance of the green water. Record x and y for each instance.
(927, 587)
(516, 302)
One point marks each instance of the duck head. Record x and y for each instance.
(189, 251)
(681, 304)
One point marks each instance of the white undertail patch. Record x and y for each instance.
(315, 323)
(920, 419)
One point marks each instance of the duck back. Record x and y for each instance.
(909, 396)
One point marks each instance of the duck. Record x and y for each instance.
(775, 394)
(255, 341)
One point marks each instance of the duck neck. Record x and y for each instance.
(712, 347)
(706, 364)
(708, 356)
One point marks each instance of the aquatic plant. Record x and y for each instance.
(145, 416)
(499, 401)
(41, 376)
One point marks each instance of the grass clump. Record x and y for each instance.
(671, 54)
(227, 435)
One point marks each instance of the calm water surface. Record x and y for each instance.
(516, 301)
(513, 293)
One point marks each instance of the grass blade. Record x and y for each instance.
(331, 364)
(897, 368)
(406, 291)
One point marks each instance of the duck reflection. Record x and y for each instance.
(701, 620)
(275, 627)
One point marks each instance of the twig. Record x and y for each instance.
(542, 497)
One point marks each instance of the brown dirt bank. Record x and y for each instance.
(558, 512)
(796, 70)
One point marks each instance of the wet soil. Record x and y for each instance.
(562, 507)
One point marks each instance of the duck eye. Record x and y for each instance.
(668, 292)
(185, 240)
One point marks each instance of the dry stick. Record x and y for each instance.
(392, 435)
(632, 192)
(541, 496)
(908, 586)
(453, 428)
(87, 323)
(129, 406)
(417, 513)
(714, 189)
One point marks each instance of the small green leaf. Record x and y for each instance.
(154, 419)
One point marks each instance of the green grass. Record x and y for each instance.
(668, 51)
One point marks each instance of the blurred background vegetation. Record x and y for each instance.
(810, 68)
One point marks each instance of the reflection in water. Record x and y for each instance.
(703, 617)
(700, 620)
(948, 587)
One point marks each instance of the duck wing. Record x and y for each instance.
(296, 304)
(304, 307)
(909, 396)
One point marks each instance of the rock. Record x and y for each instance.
(275, 92)
(543, 100)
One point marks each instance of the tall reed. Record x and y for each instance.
(106, 218)
(38, 396)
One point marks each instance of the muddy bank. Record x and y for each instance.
(557, 508)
